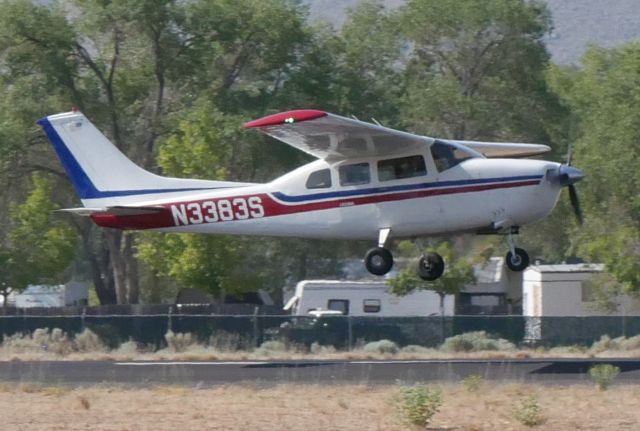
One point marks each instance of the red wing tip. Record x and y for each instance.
(288, 117)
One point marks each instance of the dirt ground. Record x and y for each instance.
(309, 408)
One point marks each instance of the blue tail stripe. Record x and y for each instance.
(82, 183)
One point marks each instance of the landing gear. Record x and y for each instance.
(430, 266)
(517, 259)
(378, 261)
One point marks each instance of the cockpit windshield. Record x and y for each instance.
(446, 155)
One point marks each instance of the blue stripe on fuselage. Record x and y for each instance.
(81, 182)
(399, 188)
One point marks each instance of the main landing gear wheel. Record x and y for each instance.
(378, 261)
(517, 261)
(430, 266)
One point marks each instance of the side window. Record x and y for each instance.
(446, 156)
(341, 305)
(402, 167)
(357, 173)
(319, 179)
(371, 305)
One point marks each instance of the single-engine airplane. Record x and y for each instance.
(368, 182)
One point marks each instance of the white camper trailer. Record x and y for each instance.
(363, 298)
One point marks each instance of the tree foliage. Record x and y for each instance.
(458, 273)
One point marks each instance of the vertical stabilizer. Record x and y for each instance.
(101, 174)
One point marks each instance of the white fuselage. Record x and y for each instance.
(475, 194)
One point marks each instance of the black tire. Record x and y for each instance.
(518, 262)
(430, 266)
(378, 261)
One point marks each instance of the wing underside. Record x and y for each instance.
(333, 137)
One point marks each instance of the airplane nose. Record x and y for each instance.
(569, 175)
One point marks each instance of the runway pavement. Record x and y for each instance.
(207, 374)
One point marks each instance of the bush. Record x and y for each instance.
(620, 343)
(381, 346)
(418, 404)
(88, 341)
(412, 348)
(603, 375)
(528, 412)
(269, 347)
(55, 341)
(223, 341)
(473, 382)
(475, 342)
(180, 341)
(318, 349)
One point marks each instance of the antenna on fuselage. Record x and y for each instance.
(376, 121)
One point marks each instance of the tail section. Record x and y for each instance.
(102, 175)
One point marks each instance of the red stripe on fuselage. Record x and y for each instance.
(273, 207)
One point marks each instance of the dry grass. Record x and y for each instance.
(308, 407)
(45, 344)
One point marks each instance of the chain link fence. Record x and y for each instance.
(344, 332)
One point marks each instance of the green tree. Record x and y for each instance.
(458, 273)
(476, 69)
(39, 247)
(603, 96)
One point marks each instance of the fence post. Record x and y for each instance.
(350, 332)
(84, 312)
(256, 341)
(169, 321)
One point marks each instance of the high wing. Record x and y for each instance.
(332, 137)
(504, 149)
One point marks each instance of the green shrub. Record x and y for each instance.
(603, 375)
(473, 382)
(418, 404)
(528, 412)
(381, 346)
(475, 342)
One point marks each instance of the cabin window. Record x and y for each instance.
(446, 156)
(319, 179)
(354, 174)
(371, 305)
(401, 167)
(341, 305)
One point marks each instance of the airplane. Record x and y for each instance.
(368, 182)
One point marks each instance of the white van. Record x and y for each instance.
(363, 298)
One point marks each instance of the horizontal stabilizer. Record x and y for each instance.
(115, 210)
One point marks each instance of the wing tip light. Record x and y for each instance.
(288, 117)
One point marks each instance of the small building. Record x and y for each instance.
(363, 298)
(71, 293)
(559, 306)
(561, 290)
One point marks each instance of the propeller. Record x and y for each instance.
(568, 176)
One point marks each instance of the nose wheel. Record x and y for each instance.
(517, 259)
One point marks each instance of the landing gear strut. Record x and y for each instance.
(517, 259)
